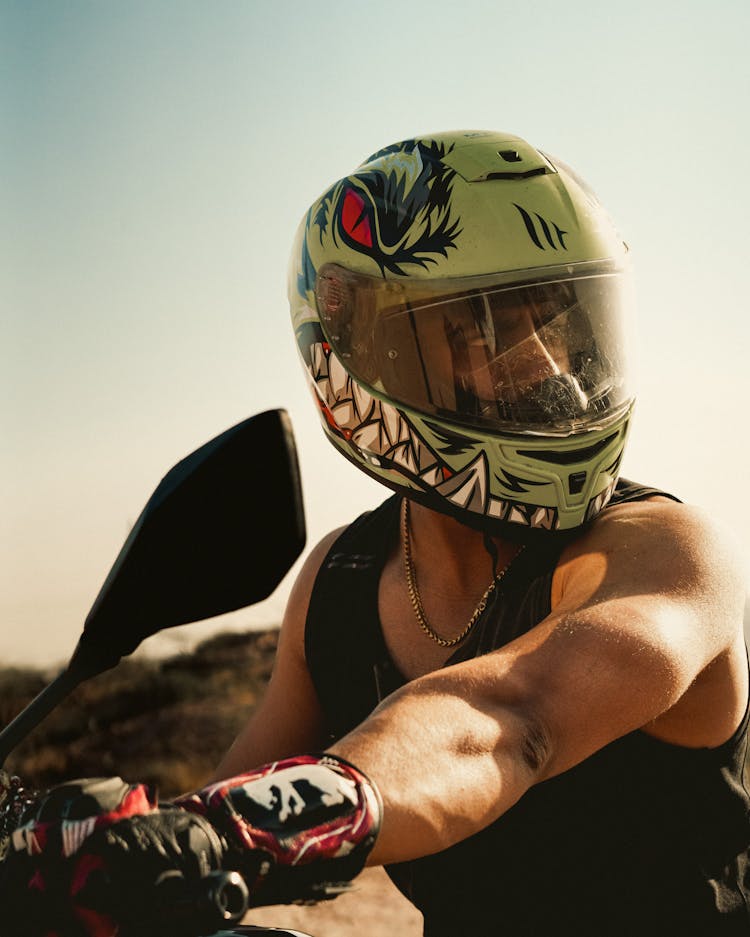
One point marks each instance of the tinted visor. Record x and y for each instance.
(544, 355)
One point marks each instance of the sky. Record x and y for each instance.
(155, 160)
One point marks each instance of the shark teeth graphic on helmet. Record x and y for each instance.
(468, 488)
(378, 429)
(545, 518)
(344, 413)
(433, 476)
(368, 437)
(598, 503)
(403, 455)
(384, 438)
(528, 515)
(319, 372)
(339, 380)
(516, 515)
(392, 421)
(364, 403)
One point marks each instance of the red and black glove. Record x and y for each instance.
(100, 858)
(297, 830)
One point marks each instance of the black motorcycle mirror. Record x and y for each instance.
(219, 533)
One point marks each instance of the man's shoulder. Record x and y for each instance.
(657, 518)
(655, 547)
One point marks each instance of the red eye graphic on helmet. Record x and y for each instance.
(396, 209)
(355, 218)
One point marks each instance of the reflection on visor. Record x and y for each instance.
(546, 355)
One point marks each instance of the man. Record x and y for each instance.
(528, 680)
(461, 306)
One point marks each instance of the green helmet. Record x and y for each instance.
(461, 303)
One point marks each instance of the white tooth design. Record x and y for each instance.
(425, 457)
(432, 476)
(403, 455)
(596, 505)
(409, 455)
(497, 507)
(338, 376)
(468, 488)
(517, 517)
(391, 422)
(368, 437)
(323, 389)
(344, 414)
(318, 362)
(543, 517)
(362, 401)
(379, 442)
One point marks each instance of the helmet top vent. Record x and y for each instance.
(481, 161)
(538, 171)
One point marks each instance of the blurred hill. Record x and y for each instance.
(166, 722)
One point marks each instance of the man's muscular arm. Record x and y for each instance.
(649, 600)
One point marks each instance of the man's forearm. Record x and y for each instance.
(448, 759)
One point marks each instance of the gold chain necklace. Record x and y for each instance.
(416, 600)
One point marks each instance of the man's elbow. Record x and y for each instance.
(524, 749)
(535, 746)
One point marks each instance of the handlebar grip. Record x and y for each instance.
(220, 899)
(227, 895)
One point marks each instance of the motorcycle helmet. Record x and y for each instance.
(461, 303)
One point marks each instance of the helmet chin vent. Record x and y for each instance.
(568, 456)
(576, 481)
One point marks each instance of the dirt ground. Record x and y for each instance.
(374, 908)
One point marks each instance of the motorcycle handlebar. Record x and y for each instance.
(221, 900)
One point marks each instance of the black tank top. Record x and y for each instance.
(642, 839)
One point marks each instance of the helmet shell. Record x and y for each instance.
(457, 205)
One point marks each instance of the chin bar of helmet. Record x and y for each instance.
(298, 830)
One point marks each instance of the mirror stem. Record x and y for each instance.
(83, 664)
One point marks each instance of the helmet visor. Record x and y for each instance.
(533, 355)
